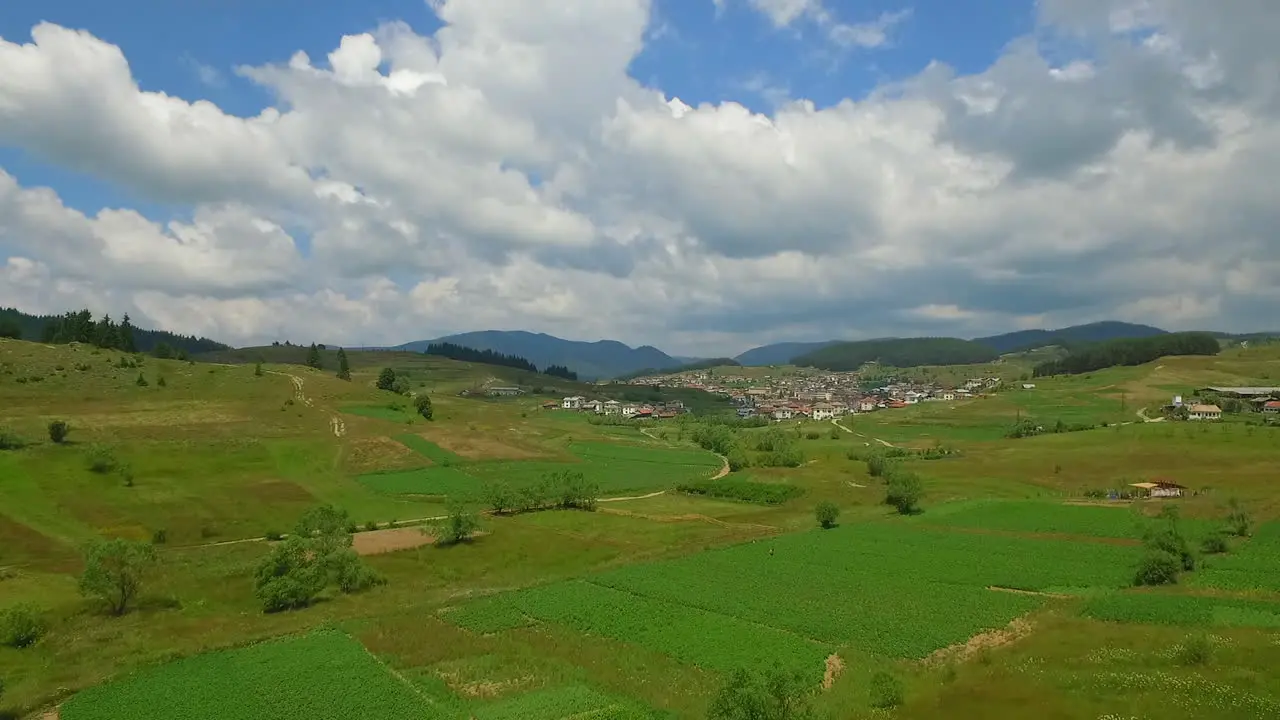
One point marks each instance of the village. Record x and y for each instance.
(818, 396)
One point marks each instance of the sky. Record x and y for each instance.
(705, 176)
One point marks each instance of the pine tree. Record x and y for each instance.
(313, 357)
(344, 369)
(125, 331)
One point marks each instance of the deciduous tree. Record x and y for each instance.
(344, 368)
(114, 572)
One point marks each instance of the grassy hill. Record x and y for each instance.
(590, 360)
(903, 353)
(1012, 587)
(1023, 340)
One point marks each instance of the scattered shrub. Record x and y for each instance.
(743, 490)
(886, 691)
(273, 535)
(1195, 650)
(141, 381)
(21, 626)
(1238, 521)
(10, 440)
(423, 405)
(160, 382)
(1157, 568)
(58, 431)
(160, 537)
(371, 525)
(814, 435)
(102, 460)
(1214, 544)
(826, 513)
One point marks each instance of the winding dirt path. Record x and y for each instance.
(1142, 413)
(724, 467)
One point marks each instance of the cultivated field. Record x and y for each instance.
(1011, 593)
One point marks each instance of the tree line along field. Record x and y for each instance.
(1007, 592)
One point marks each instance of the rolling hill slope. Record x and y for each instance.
(780, 353)
(1092, 332)
(591, 360)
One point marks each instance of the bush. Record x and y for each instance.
(21, 626)
(10, 440)
(141, 381)
(1157, 568)
(904, 492)
(274, 536)
(386, 379)
(886, 691)
(288, 578)
(102, 460)
(814, 435)
(423, 405)
(371, 525)
(743, 490)
(878, 465)
(58, 431)
(160, 537)
(1195, 650)
(160, 382)
(1238, 521)
(826, 513)
(352, 574)
(1214, 544)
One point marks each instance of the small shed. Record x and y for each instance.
(1160, 488)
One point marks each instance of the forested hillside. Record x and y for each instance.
(903, 352)
(103, 332)
(1129, 352)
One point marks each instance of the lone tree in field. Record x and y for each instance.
(317, 554)
(1238, 521)
(313, 357)
(114, 571)
(257, 369)
(773, 695)
(58, 430)
(458, 527)
(344, 368)
(387, 379)
(423, 404)
(827, 512)
(904, 491)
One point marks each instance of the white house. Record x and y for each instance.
(1204, 412)
(628, 410)
(594, 406)
(572, 403)
(611, 407)
(823, 411)
(782, 413)
(949, 395)
(866, 405)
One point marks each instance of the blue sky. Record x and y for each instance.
(190, 48)
(1080, 161)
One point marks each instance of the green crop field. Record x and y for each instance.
(1009, 593)
(616, 468)
(1119, 521)
(322, 676)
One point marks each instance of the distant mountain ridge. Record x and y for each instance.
(1092, 332)
(590, 360)
(780, 353)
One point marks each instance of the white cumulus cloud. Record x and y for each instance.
(507, 172)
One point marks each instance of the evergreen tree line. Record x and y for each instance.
(1130, 351)
(489, 357)
(104, 332)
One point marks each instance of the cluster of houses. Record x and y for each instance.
(634, 411)
(1262, 399)
(816, 396)
(827, 405)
